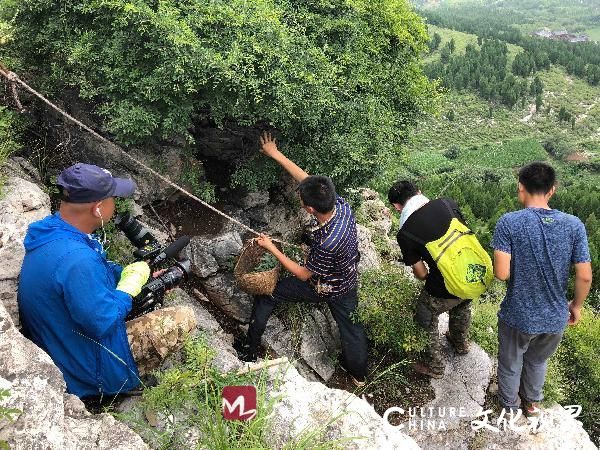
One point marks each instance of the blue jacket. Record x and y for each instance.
(69, 307)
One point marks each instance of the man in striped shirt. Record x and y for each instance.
(330, 272)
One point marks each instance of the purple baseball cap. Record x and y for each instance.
(86, 183)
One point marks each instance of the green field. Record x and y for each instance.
(473, 125)
(461, 40)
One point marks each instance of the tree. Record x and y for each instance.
(452, 45)
(445, 54)
(153, 69)
(538, 103)
(435, 41)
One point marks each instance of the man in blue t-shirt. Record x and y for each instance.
(534, 249)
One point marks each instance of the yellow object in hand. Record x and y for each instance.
(134, 277)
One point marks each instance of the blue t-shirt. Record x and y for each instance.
(543, 245)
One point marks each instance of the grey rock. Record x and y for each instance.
(310, 407)
(280, 219)
(223, 292)
(559, 431)
(23, 203)
(49, 417)
(19, 167)
(253, 199)
(209, 254)
(377, 214)
(320, 342)
(279, 338)
(369, 258)
(464, 384)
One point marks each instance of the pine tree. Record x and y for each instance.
(538, 102)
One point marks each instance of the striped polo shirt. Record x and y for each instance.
(333, 256)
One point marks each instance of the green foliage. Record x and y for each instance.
(578, 358)
(10, 128)
(340, 80)
(7, 413)
(267, 262)
(386, 306)
(205, 190)
(484, 323)
(119, 249)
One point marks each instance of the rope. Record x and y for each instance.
(14, 78)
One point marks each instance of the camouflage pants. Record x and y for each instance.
(427, 313)
(156, 334)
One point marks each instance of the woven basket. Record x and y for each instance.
(256, 283)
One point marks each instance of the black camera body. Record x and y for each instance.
(149, 249)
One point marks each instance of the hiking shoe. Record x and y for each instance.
(244, 351)
(358, 382)
(425, 369)
(530, 409)
(461, 349)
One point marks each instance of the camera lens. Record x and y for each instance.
(135, 231)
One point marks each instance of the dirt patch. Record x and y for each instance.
(192, 218)
(391, 382)
(577, 157)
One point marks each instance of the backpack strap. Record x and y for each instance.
(413, 237)
(449, 208)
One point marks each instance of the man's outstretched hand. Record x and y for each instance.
(268, 146)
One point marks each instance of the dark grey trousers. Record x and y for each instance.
(522, 364)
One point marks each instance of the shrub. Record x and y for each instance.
(341, 80)
(10, 128)
(386, 307)
(578, 359)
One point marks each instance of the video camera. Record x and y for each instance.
(150, 250)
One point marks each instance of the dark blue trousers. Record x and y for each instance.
(292, 289)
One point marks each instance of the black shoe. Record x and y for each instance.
(244, 351)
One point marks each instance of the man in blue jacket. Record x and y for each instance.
(72, 300)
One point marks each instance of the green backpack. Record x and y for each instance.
(465, 265)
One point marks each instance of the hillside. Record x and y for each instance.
(560, 89)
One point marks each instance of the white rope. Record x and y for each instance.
(14, 78)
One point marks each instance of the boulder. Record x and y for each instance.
(369, 258)
(559, 431)
(209, 254)
(48, 417)
(23, 203)
(304, 407)
(374, 212)
(464, 385)
(320, 342)
(280, 219)
(222, 290)
(19, 167)
(252, 199)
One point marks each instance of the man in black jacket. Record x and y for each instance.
(423, 221)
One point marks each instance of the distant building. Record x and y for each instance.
(560, 35)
